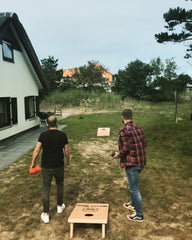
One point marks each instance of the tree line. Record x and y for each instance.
(154, 81)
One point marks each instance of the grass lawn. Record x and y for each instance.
(94, 177)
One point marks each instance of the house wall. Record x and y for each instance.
(17, 80)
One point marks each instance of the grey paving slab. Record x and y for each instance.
(14, 147)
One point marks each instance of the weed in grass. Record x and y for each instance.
(186, 147)
(35, 192)
(10, 225)
(164, 206)
(4, 202)
(119, 236)
(33, 222)
(72, 190)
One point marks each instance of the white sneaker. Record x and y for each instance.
(60, 209)
(45, 218)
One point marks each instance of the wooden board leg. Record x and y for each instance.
(103, 230)
(71, 230)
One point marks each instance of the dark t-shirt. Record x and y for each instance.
(53, 143)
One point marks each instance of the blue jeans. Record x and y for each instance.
(133, 181)
(47, 175)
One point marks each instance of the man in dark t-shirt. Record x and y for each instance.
(54, 144)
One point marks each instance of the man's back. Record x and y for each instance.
(53, 142)
(132, 145)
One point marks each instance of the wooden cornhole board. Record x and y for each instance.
(95, 213)
(103, 132)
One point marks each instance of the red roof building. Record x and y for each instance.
(69, 73)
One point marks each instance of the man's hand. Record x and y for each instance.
(32, 166)
(117, 155)
(68, 162)
(35, 154)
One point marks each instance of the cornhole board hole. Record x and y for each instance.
(103, 132)
(93, 213)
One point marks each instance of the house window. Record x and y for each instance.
(31, 107)
(7, 51)
(5, 112)
(8, 111)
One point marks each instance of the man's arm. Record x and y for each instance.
(123, 145)
(35, 154)
(67, 154)
(117, 155)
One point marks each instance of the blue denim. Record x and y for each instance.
(133, 181)
(47, 175)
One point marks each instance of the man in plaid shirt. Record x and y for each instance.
(132, 145)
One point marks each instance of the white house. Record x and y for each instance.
(21, 78)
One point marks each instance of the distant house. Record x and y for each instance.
(21, 78)
(106, 74)
(189, 88)
(68, 74)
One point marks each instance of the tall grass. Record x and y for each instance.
(70, 98)
(75, 98)
(108, 101)
(78, 98)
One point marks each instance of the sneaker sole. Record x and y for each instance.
(44, 220)
(130, 208)
(136, 220)
(63, 208)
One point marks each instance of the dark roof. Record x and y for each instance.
(7, 18)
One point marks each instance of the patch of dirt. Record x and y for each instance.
(79, 110)
(96, 150)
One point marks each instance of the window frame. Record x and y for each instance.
(31, 107)
(10, 110)
(5, 112)
(14, 111)
(10, 48)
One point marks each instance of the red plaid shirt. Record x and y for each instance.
(132, 145)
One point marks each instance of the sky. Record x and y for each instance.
(112, 32)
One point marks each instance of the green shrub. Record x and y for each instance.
(78, 97)
(186, 148)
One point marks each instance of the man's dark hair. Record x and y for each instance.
(127, 114)
(52, 121)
